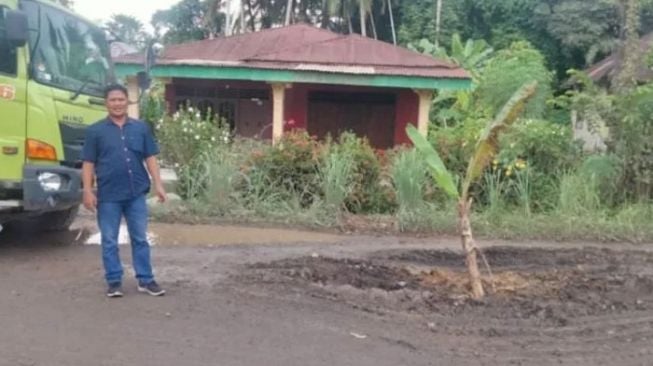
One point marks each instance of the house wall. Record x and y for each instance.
(255, 116)
(405, 112)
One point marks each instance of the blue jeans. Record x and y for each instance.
(109, 215)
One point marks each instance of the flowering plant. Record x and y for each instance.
(187, 134)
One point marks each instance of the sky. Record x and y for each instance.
(102, 10)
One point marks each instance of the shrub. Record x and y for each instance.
(291, 166)
(607, 172)
(186, 137)
(543, 149)
(335, 178)
(366, 194)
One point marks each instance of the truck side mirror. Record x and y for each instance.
(16, 29)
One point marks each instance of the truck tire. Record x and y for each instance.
(57, 220)
(49, 221)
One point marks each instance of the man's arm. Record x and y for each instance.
(90, 201)
(155, 173)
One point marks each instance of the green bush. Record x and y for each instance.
(456, 144)
(186, 137)
(542, 148)
(291, 166)
(366, 194)
(606, 171)
(632, 140)
(335, 178)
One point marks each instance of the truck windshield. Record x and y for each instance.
(67, 52)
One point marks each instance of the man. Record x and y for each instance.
(114, 151)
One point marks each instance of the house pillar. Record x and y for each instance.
(133, 90)
(278, 103)
(424, 110)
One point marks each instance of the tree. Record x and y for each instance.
(587, 28)
(509, 69)
(392, 23)
(486, 149)
(438, 21)
(128, 29)
(185, 21)
(631, 57)
(472, 55)
(289, 8)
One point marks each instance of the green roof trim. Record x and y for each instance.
(290, 76)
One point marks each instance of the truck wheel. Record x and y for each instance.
(49, 221)
(57, 220)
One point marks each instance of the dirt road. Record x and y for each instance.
(235, 298)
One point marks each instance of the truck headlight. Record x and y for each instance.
(50, 182)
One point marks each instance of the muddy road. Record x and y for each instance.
(250, 296)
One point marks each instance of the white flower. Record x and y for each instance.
(197, 137)
(197, 115)
(226, 139)
(190, 109)
(185, 130)
(176, 165)
(213, 139)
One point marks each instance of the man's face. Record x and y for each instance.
(116, 104)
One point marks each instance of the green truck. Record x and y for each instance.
(54, 66)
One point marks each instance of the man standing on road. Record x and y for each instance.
(114, 151)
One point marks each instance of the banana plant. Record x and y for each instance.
(487, 148)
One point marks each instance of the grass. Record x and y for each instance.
(335, 178)
(631, 223)
(222, 188)
(409, 179)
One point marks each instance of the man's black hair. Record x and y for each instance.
(115, 87)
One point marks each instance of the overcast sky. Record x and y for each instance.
(102, 10)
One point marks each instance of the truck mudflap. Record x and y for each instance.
(51, 188)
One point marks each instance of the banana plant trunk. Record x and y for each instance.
(469, 247)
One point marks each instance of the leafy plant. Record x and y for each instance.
(335, 177)
(292, 165)
(185, 138)
(486, 149)
(508, 70)
(365, 194)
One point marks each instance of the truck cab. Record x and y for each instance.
(54, 66)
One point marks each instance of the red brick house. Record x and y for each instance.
(300, 76)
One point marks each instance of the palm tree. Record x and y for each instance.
(626, 78)
(289, 8)
(362, 10)
(392, 23)
(438, 19)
